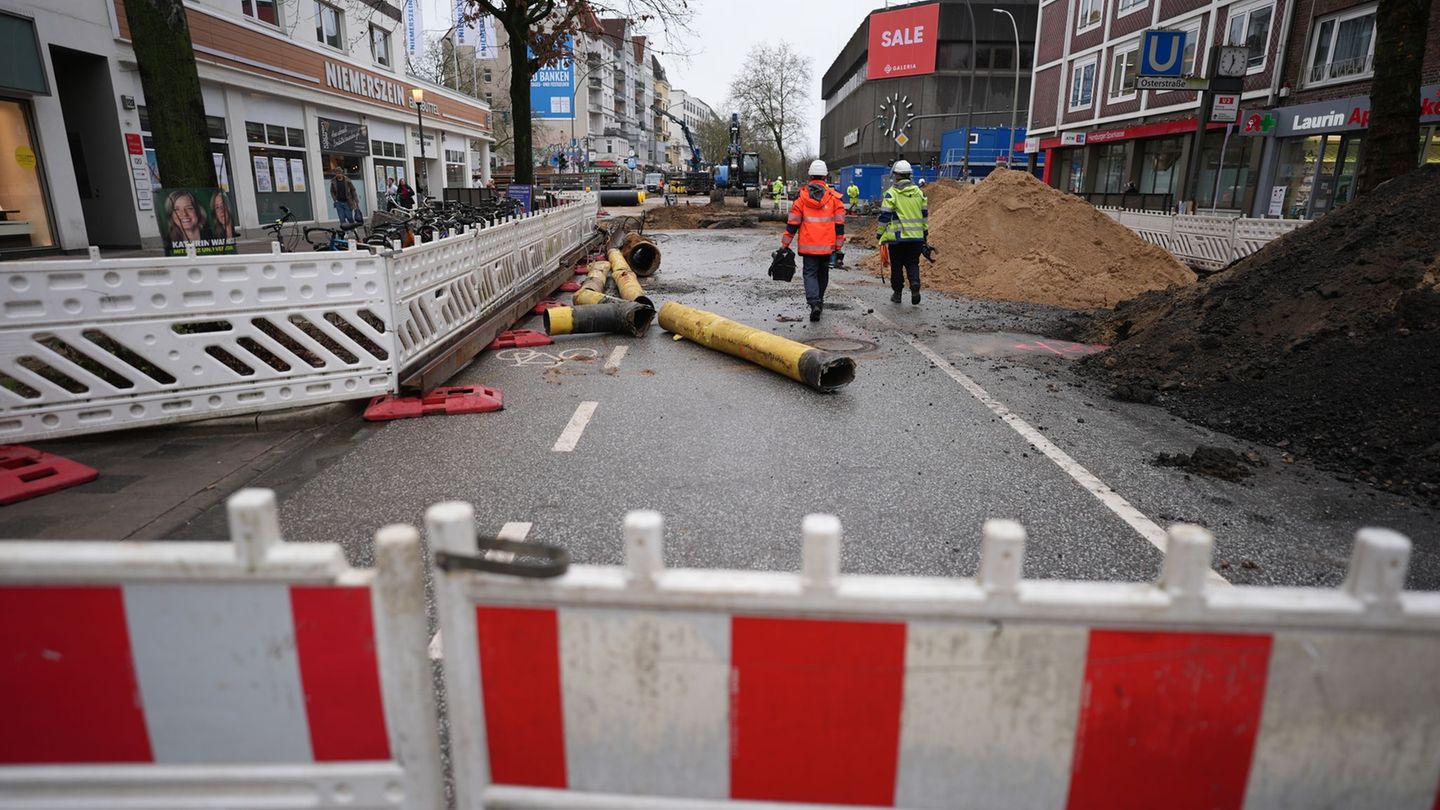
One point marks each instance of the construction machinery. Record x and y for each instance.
(741, 173)
(697, 180)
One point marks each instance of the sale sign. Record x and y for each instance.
(903, 42)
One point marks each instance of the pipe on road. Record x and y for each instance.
(641, 254)
(621, 198)
(625, 280)
(817, 368)
(592, 289)
(619, 318)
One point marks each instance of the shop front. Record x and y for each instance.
(344, 145)
(1140, 159)
(25, 206)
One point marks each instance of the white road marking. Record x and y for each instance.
(616, 355)
(1112, 500)
(515, 530)
(570, 436)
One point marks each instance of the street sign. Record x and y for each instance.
(1162, 53)
(902, 139)
(1226, 108)
(1171, 83)
(1032, 145)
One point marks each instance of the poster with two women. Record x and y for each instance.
(199, 218)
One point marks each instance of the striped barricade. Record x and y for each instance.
(250, 674)
(646, 687)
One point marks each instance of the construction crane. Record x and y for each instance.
(697, 180)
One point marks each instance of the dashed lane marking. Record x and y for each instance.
(570, 436)
(616, 355)
(1112, 500)
(515, 530)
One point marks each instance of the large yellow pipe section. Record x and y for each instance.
(592, 289)
(641, 254)
(625, 280)
(817, 368)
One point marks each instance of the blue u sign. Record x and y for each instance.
(1162, 53)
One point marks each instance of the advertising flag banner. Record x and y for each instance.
(414, 28)
(903, 42)
(486, 46)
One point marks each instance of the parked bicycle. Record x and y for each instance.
(287, 238)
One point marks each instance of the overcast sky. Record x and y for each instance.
(724, 30)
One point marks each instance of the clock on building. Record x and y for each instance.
(1232, 60)
(896, 113)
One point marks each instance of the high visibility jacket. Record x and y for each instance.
(818, 217)
(854, 193)
(778, 189)
(904, 214)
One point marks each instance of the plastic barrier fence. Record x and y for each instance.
(1202, 240)
(89, 345)
(251, 674)
(647, 687)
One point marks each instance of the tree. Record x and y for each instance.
(772, 92)
(165, 56)
(537, 30)
(1393, 138)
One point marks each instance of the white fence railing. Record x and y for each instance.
(97, 344)
(1204, 240)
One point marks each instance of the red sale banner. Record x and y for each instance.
(902, 43)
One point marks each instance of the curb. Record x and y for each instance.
(288, 419)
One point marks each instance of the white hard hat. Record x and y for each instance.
(922, 181)
(901, 167)
(818, 168)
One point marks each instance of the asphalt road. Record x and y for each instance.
(910, 459)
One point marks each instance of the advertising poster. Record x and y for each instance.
(297, 175)
(485, 43)
(903, 42)
(199, 218)
(344, 138)
(262, 175)
(516, 191)
(282, 175)
(552, 89)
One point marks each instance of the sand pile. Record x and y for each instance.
(1326, 343)
(942, 192)
(1014, 238)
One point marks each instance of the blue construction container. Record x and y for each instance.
(869, 177)
(987, 146)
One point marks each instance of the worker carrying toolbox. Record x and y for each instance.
(818, 216)
(904, 231)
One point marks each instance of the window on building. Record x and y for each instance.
(327, 25)
(1082, 85)
(489, 98)
(1002, 58)
(380, 46)
(982, 58)
(1191, 64)
(1125, 6)
(265, 11)
(1343, 47)
(488, 75)
(1250, 26)
(1124, 70)
(1159, 161)
(1089, 13)
(1110, 167)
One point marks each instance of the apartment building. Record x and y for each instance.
(694, 112)
(293, 90)
(1304, 102)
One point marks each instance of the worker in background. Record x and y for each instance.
(818, 217)
(777, 190)
(853, 192)
(904, 228)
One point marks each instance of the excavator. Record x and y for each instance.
(697, 180)
(742, 169)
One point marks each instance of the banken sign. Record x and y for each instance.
(1162, 53)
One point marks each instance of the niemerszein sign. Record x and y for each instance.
(372, 86)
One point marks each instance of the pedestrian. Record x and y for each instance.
(405, 194)
(777, 191)
(818, 216)
(904, 228)
(357, 216)
(853, 192)
(342, 191)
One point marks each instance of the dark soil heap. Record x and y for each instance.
(1326, 343)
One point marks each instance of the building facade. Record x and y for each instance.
(694, 112)
(982, 55)
(1295, 146)
(292, 92)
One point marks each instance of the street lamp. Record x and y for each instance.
(1015, 94)
(970, 102)
(418, 95)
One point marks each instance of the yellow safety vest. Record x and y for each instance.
(903, 214)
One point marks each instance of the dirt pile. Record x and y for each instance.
(683, 216)
(1014, 238)
(942, 192)
(1326, 343)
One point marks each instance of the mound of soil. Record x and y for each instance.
(1325, 343)
(1215, 462)
(1014, 238)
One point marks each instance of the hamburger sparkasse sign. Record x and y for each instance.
(902, 42)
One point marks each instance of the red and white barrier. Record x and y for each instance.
(246, 674)
(647, 687)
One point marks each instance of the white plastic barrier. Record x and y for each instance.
(250, 674)
(647, 687)
(98, 344)
(1204, 240)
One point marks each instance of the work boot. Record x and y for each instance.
(815, 311)
(914, 295)
(895, 297)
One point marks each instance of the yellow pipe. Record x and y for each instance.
(641, 254)
(617, 317)
(817, 368)
(559, 320)
(592, 289)
(625, 280)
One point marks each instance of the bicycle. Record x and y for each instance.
(334, 238)
(287, 240)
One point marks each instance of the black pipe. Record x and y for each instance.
(619, 318)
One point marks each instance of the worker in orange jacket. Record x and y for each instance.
(818, 217)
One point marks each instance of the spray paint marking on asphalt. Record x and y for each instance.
(1112, 500)
(616, 355)
(515, 530)
(570, 436)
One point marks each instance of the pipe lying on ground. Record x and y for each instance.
(619, 318)
(625, 280)
(619, 197)
(642, 254)
(817, 368)
(592, 289)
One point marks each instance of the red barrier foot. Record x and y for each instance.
(570, 286)
(28, 473)
(546, 303)
(582, 269)
(519, 339)
(447, 401)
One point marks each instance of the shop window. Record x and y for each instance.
(1088, 15)
(1123, 72)
(1429, 145)
(1226, 183)
(254, 133)
(266, 11)
(1343, 47)
(281, 177)
(327, 25)
(1110, 168)
(24, 200)
(295, 137)
(1190, 64)
(1250, 26)
(380, 46)
(1082, 84)
(1159, 165)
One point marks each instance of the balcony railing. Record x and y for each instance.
(1354, 68)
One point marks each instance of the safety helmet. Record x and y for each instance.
(901, 167)
(818, 168)
(922, 181)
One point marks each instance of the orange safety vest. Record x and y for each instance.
(817, 220)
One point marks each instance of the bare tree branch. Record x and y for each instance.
(771, 93)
